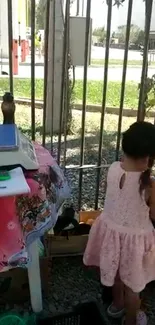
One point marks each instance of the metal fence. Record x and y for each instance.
(65, 94)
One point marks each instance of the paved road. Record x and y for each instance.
(94, 73)
(114, 74)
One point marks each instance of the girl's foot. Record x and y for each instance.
(114, 312)
(141, 319)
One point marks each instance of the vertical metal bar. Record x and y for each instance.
(142, 92)
(105, 82)
(33, 69)
(124, 77)
(10, 43)
(67, 85)
(53, 70)
(47, 15)
(77, 7)
(62, 83)
(87, 34)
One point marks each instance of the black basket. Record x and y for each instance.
(84, 314)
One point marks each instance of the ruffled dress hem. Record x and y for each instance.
(129, 251)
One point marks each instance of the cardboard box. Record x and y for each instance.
(14, 286)
(70, 245)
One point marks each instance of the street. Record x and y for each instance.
(94, 73)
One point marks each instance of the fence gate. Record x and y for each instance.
(87, 139)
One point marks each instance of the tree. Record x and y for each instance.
(136, 34)
(100, 33)
(40, 14)
(140, 38)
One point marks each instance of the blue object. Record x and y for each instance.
(8, 137)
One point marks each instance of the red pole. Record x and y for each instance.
(23, 51)
(15, 58)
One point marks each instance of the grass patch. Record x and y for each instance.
(100, 62)
(95, 93)
(22, 89)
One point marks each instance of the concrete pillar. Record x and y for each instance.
(59, 27)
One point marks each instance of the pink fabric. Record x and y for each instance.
(123, 238)
(44, 158)
(11, 236)
(27, 217)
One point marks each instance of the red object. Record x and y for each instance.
(15, 57)
(27, 47)
(23, 50)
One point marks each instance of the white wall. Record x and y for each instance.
(4, 25)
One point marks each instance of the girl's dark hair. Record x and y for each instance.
(145, 178)
(139, 142)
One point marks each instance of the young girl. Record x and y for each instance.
(122, 240)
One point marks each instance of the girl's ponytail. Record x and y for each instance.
(145, 180)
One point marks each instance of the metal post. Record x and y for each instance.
(10, 39)
(105, 82)
(33, 69)
(124, 77)
(142, 93)
(78, 8)
(47, 15)
(67, 85)
(53, 71)
(62, 82)
(87, 33)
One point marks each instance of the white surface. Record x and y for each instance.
(15, 26)
(15, 185)
(34, 278)
(25, 156)
(77, 40)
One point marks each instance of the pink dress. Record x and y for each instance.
(122, 239)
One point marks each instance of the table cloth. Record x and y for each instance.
(26, 217)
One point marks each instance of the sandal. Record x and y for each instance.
(141, 319)
(113, 312)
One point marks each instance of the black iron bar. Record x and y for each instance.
(87, 39)
(10, 44)
(33, 69)
(47, 15)
(105, 83)
(67, 83)
(53, 72)
(62, 83)
(77, 7)
(142, 92)
(125, 63)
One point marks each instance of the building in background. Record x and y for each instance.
(19, 16)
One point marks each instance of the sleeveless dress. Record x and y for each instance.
(122, 239)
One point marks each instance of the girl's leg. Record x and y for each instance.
(132, 306)
(116, 309)
(118, 294)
